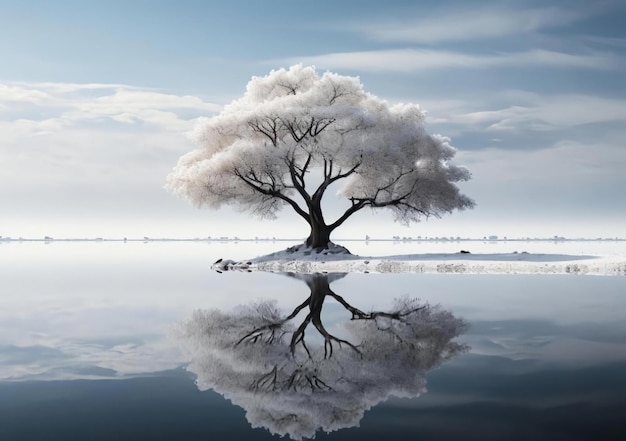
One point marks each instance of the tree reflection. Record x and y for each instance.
(295, 382)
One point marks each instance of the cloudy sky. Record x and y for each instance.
(97, 100)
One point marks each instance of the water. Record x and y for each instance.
(92, 347)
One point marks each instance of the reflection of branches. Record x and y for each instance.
(273, 328)
(320, 288)
(267, 334)
(274, 332)
(258, 358)
(299, 380)
(357, 314)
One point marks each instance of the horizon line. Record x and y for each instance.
(282, 239)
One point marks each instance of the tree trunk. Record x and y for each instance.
(319, 238)
(320, 234)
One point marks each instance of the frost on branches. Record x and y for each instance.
(295, 375)
(294, 133)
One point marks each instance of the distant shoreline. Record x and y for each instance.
(276, 239)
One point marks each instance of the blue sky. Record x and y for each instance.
(97, 99)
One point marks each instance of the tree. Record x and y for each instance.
(266, 362)
(295, 133)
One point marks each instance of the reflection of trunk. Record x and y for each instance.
(319, 284)
(320, 232)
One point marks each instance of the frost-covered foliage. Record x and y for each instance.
(259, 359)
(258, 153)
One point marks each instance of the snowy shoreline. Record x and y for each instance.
(459, 263)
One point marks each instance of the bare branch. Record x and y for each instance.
(291, 87)
(320, 126)
(297, 178)
(257, 185)
(266, 127)
(374, 202)
(356, 206)
(330, 179)
(298, 130)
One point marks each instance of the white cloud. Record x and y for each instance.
(469, 25)
(67, 104)
(74, 87)
(80, 158)
(93, 151)
(153, 108)
(542, 112)
(12, 93)
(417, 60)
(136, 100)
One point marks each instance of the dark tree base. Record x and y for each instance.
(331, 248)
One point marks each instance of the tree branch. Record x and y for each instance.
(398, 201)
(329, 179)
(356, 206)
(297, 179)
(267, 128)
(296, 131)
(320, 126)
(257, 185)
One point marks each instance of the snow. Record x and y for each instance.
(336, 259)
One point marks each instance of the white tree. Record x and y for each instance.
(260, 151)
(257, 358)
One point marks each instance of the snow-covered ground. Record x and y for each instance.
(303, 260)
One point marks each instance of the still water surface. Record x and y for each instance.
(93, 345)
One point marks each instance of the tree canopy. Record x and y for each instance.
(293, 384)
(294, 133)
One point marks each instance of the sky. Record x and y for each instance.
(98, 100)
